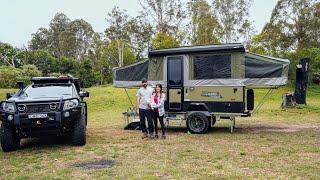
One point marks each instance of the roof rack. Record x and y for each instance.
(233, 47)
(58, 80)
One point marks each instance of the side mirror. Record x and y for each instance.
(9, 95)
(83, 94)
(20, 84)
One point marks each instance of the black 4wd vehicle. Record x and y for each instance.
(49, 106)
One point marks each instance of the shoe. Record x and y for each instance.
(156, 136)
(144, 135)
(151, 136)
(163, 137)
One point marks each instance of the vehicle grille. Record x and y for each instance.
(37, 108)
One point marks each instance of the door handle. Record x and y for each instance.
(179, 92)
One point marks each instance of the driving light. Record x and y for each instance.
(69, 104)
(66, 114)
(6, 106)
(10, 117)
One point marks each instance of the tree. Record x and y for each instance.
(233, 15)
(64, 37)
(57, 26)
(44, 61)
(118, 31)
(39, 39)
(166, 15)
(128, 31)
(87, 74)
(294, 25)
(162, 41)
(83, 33)
(9, 55)
(141, 33)
(205, 27)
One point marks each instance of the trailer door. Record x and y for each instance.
(175, 82)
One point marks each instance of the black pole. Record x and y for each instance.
(300, 93)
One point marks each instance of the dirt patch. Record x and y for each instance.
(97, 164)
(280, 128)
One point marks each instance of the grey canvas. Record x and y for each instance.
(215, 65)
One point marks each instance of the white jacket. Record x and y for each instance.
(160, 104)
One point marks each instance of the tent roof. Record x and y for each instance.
(234, 47)
(263, 57)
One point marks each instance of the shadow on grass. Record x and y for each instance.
(45, 142)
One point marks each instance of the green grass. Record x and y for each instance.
(273, 144)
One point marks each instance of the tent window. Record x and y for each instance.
(256, 68)
(133, 73)
(212, 66)
(175, 71)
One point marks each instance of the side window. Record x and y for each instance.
(212, 66)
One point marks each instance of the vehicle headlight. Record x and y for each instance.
(8, 107)
(69, 104)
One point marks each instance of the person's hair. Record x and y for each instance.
(144, 80)
(155, 89)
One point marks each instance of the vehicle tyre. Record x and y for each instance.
(9, 140)
(198, 123)
(79, 132)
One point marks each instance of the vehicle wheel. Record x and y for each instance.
(79, 132)
(198, 123)
(9, 140)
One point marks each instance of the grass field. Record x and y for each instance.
(273, 144)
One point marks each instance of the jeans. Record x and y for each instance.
(143, 114)
(155, 117)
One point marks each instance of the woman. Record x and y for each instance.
(157, 105)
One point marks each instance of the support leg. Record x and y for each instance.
(233, 124)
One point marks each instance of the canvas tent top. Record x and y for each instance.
(213, 65)
(235, 47)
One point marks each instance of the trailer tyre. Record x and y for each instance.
(79, 132)
(198, 123)
(9, 140)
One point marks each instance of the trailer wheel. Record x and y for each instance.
(9, 140)
(198, 123)
(79, 132)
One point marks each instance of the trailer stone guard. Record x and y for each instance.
(206, 83)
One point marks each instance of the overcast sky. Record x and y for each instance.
(20, 18)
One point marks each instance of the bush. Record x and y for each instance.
(316, 77)
(28, 71)
(9, 76)
(313, 54)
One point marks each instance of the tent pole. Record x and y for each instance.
(263, 101)
(128, 96)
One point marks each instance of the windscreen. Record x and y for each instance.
(63, 91)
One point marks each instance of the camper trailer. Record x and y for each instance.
(206, 83)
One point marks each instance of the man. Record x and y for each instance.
(144, 110)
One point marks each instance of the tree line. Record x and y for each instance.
(72, 46)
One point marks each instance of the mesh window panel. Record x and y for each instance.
(256, 68)
(212, 66)
(133, 73)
